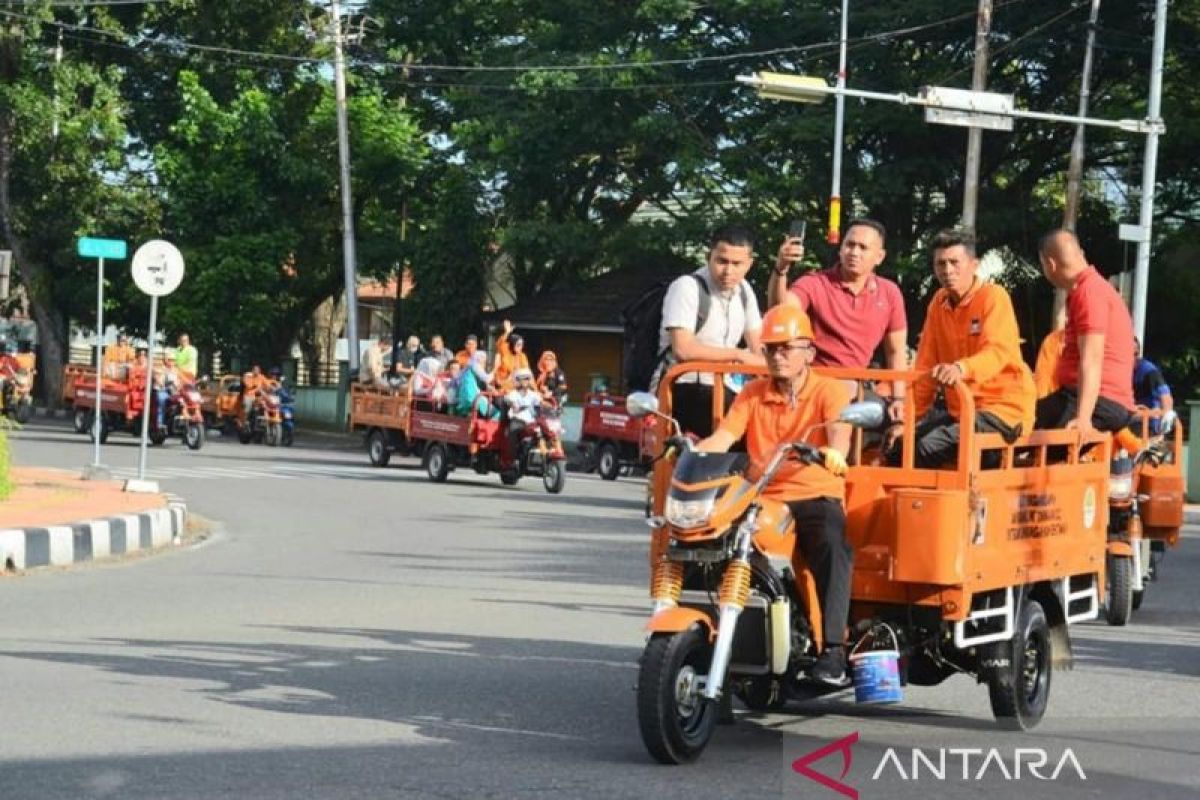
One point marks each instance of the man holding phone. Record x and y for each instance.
(852, 309)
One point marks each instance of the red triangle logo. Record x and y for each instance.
(802, 765)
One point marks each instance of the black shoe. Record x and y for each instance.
(830, 667)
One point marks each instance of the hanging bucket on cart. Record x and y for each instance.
(877, 672)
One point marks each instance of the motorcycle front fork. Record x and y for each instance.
(735, 592)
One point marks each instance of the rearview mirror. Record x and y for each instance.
(641, 404)
(866, 414)
(1169, 420)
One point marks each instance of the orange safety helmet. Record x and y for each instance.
(784, 323)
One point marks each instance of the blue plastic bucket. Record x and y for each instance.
(877, 676)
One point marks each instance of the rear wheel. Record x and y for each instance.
(608, 462)
(289, 436)
(98, 425)
(377, 448)
(1020, 687)
(509, 477)
(555, 477)
(245, 435)
(675, 720)
(1118, 604)
(437, 465)
(158, 436)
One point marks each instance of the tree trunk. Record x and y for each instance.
(52, 328)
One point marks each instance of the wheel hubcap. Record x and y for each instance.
(1032, 668)
(685, 691)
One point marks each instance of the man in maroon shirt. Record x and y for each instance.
(852, 309)
(1097, 361)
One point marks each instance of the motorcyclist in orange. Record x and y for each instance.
(795, 404)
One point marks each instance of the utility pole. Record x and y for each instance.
(1075, 167)
(983, 29)
(1141, 273)
(839, 121)
(349, 260)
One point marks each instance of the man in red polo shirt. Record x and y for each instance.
(1096, 366)
(852, 309)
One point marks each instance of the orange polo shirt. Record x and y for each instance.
(1045, 369)
(980, 334)
(767, 419)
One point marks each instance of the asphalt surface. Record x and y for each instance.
(356, 632)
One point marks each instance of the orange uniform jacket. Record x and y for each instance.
(1045, 371)
(979, 334)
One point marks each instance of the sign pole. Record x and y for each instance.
(97, 423)
(149, 384)
(157, 270)
(99, 249)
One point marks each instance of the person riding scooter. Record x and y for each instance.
(166, 384)
(9, 367)
(521, 407)
(796, 405)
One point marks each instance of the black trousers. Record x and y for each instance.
(516, 429)
(691, 405)
(1057, 409)
(938, 435)
(821, 537)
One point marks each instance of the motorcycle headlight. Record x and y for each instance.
(1120, 487)
(689, 513)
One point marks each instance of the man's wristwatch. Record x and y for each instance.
(778, 271)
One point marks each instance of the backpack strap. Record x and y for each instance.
(705, 303)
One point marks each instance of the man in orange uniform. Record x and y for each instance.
(970, 335)
(1045, 370)
(782, 409)
(1096, 368)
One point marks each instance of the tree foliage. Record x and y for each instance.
(558, 139)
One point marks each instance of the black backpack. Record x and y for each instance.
(642, 321)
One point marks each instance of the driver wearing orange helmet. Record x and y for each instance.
(795, 404)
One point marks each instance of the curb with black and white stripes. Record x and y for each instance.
(92, 540)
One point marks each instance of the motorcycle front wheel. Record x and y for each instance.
(555, 477)
(675, 720)
(193, 436)
(274, 434)
(24, 411)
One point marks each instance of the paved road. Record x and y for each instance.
(352, 632)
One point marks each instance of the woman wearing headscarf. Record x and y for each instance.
(551, 380)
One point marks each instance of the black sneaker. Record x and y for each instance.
(830, 667)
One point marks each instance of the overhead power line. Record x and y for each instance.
(514, 68)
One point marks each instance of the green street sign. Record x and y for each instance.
(102, 248)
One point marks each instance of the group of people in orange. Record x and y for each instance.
(461, 381)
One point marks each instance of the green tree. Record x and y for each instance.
(255, 208)
(63, 174)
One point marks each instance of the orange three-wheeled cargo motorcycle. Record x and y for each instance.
(965, 569)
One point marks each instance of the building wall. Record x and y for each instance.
(582, 356)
